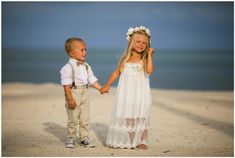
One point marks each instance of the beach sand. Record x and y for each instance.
(183, 123)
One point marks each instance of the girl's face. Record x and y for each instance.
(140, 43)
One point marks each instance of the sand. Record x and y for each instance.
(183, 123)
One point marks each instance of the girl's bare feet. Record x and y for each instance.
(142, 146)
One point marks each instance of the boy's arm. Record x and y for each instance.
(68, 95)
(96, 85)
(93, 80)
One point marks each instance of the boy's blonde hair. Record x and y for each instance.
(128, 52)
(68, 43)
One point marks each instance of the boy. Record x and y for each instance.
(75, 77)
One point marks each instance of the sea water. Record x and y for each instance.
(207, 69)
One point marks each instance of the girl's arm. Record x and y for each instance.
(150, 66)
(115, 74)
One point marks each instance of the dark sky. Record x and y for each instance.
(173, 25)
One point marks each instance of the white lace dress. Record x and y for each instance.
(130, 116)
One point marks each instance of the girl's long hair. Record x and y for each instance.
(128, 52)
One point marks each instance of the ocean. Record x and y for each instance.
(174, 69)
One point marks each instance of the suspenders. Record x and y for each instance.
(73, 76)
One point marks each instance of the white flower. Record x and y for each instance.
(131, 31)
(148, 31)
(142, 28)
(136, 29)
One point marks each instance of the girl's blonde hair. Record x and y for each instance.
(128, 52)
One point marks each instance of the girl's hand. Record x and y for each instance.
(71, 103)
(151, 51)
(104, 89)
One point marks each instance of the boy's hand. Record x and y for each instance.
(104, 90)
(71, 103)
(151, 51)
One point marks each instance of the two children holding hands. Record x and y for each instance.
(130, 117)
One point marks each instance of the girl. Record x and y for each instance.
(130, 119)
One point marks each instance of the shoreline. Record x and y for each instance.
(182, 122)
(114, 87)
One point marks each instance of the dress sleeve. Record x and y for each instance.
(66, 75)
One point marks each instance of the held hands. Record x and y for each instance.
(104, 89)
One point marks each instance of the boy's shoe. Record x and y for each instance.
(87, 143)
(70, 143)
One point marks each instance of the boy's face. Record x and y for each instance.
(78, 51)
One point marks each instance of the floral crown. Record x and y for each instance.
(131, 31)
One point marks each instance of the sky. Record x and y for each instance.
(173, 25)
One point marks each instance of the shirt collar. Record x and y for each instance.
(74, 61)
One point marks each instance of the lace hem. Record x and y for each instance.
(127, 132)
(129, 124)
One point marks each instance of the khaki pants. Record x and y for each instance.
(80, 114)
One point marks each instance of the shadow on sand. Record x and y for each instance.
(59, 131)
(101, 131)
(56, 130)
(224, 127)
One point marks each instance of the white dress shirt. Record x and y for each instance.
(81, 75)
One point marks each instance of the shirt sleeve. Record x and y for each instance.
(91, 76)
(66, 75)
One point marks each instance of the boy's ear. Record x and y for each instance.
(71, 53)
